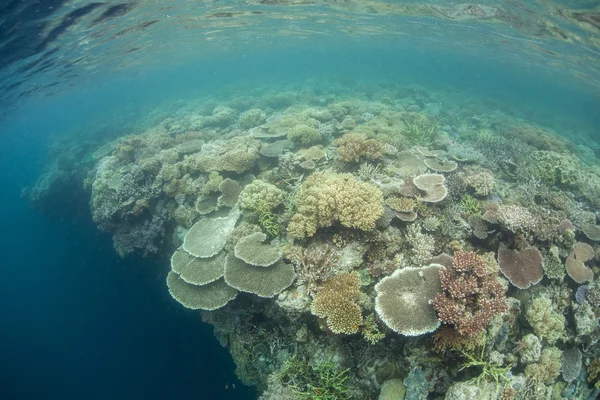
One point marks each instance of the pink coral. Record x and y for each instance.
(471, 297)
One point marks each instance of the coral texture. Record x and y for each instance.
(336, 301)
(404, 299)
(325, 198)
(471, 297)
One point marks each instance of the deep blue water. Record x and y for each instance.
(78, 322)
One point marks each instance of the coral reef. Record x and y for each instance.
(471, 298)
(324, 198)
(404, 300)
(336, 302)
(354, 147)
(343, 240)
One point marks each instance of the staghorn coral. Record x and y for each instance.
(336, 301)
(421, 131)
(471, 297)
(404, 299)
(353, 147)
(324, 198)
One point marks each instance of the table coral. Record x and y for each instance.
(404, 299)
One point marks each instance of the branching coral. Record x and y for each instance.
(320, 381)
(490, 371)
(353, 147)
(471, 297)
(260, 195)
(421, 131)
(548, 324)
(325, 198)
(313, 265)
(336, 301)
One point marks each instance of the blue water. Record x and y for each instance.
(78, 321)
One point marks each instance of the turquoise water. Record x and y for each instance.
(412, 130)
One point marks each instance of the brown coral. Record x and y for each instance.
(336, 301)
(576, 268)
(352, 147)
(523, 268)
(471, 297)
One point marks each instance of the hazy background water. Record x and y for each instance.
(77, 321)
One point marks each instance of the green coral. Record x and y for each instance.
(260, 195)
(252, 118)
(323, 380)
(324, 198)
(547, 369)
(547, 324)
(267, 220)
(421, 131)
(470, 204)
(490, 370)
(304, 134)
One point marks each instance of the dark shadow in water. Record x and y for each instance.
(80, 323)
